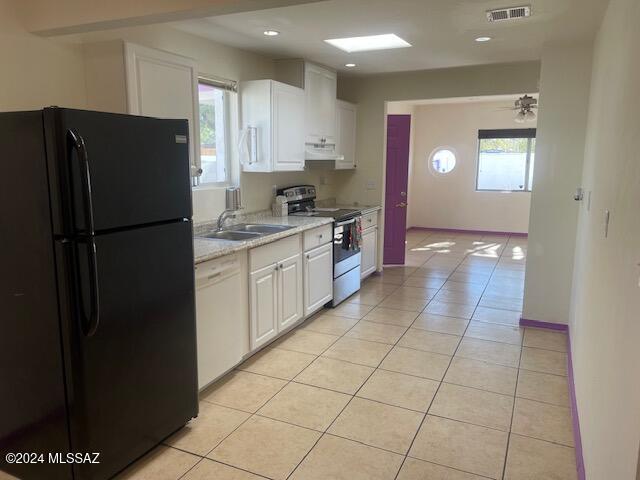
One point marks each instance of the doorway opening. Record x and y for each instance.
(457, 166)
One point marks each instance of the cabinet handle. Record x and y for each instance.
(320, 236)
(308, 257)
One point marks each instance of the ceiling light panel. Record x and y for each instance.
(368, 43)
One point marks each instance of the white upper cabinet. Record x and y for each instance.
(272, 138)
(164, 85)
(320, 89)
(346, 114)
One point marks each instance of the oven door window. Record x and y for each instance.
(343, 245)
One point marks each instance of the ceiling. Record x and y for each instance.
(442, 32)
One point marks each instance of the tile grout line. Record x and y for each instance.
(252, 414)
(326, 432)
(443, 375)
(356, 392)
(394, 345)
(513, 409)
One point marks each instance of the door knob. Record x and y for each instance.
(403, 194)
(401, 205)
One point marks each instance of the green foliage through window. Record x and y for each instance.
(207, 124)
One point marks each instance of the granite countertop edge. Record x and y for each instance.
(205, 249)
(363, 209)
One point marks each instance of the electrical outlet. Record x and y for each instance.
(371, 185)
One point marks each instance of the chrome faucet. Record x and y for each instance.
(223, 216)
(233, 204)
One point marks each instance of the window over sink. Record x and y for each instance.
(215, 132)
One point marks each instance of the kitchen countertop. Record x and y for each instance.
(209, 248)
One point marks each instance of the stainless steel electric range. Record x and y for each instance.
(301, 201)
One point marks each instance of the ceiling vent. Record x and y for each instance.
(512, 13)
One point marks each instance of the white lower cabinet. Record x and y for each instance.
(275, 289)
(369, 250)
(290, 291)
(318, 278)
(263, 287)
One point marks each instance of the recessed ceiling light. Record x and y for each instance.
(349, 65)
(371, 42)
(271, 33)
(483, 39)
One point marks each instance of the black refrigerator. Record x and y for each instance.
(97, 329)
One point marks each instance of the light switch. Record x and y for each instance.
(371, 184)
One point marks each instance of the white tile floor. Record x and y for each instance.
(424, 374)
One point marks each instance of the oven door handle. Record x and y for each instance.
(346, 222)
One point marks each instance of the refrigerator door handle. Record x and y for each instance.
(90, 326)
(79, 145)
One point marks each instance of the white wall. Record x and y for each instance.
(371, 92)
(564, 98)
(37, 72)
(605, 318)
(451, 201)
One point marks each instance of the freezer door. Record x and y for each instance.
(132, 375)
(124, 170)
(33, 414)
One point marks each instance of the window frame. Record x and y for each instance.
(231, 87)
(434, 152)
(510, 133)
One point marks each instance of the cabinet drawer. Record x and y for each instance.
(316, 237)
(369, 220)
(274, 252)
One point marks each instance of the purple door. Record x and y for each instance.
(395, 210)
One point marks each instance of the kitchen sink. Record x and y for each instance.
(232, 235)
(260, 228)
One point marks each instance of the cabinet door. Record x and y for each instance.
(290, 291)
(288, 127)
(320, 90)
(163, 85)
(318, 278)
(369, 251)
(263, 292)
(346, 134)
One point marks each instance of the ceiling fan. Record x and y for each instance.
(525, 106)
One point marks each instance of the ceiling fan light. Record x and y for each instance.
(530, 116)
(520, 117)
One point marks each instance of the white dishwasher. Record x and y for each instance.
(221, 316)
